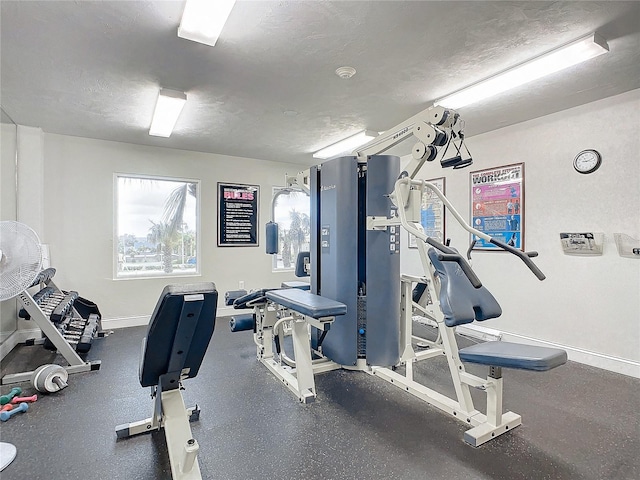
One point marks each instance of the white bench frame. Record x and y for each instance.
(298, 376)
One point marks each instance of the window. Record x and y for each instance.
(291, 213)
(156, 227)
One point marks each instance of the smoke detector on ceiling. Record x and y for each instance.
(345, 72)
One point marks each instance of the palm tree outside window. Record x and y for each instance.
(157, 226)
(291, 213)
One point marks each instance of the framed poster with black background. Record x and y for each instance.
(238, 215)
(497, 205)
(432, 213)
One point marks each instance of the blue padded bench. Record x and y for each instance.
(461, 303)
(514, 355)
(307, 303)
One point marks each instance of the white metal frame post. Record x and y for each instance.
(485, 427)
(171, 415)
(299, 377)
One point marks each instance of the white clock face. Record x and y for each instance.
(587, 161)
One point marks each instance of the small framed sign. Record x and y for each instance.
(238, 215)
(497, 205)
(432, 214)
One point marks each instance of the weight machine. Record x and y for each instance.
(354, 259)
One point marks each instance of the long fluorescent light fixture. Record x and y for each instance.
(571, 54)
(168, 108)
(345, 146)
(203, 20)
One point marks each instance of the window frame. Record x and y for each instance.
(274, 257)
(115, 272)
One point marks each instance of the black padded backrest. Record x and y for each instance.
(460, 302)
(167, 349)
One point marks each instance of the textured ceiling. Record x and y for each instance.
(268, 90)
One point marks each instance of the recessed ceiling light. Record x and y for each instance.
(345, 72)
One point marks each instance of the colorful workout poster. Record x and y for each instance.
(497, 205)
(237, 215)
(431, 214)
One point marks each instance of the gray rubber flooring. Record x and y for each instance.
(579, 422)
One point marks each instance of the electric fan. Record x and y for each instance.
(20, 262)
(20, 258)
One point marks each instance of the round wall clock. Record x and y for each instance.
(587, 161)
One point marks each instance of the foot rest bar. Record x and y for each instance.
(514, 355)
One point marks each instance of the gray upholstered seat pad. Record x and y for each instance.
(307, 303)
(514, 355)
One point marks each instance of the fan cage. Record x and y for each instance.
(20, 258)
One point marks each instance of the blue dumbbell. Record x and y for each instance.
(23, 407)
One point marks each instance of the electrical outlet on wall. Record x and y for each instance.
(241, 284)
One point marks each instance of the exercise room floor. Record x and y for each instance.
(579, 422)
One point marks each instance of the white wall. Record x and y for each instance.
(7, 212)
(79, 219)
(589, 303)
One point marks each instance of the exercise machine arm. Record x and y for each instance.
(433, 127)
(400, 197)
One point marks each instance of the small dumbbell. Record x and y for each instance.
(30, 399)
(4, 399)
(7, 407)
(4, 416)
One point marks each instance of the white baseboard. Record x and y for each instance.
(482, 333)
(228, 311)
(143, 320)
(16, 338)
(624, 366)
(10, 341)
(600, 360)
(607, 362)
(125, 322)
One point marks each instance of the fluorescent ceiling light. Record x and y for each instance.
(553, 61)
(345, 146)
(168, 108)
(203, 20)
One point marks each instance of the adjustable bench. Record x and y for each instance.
(461, 303)
(177, 338)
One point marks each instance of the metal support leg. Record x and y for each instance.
(171, 415)
(304, 367)
(495, 423)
